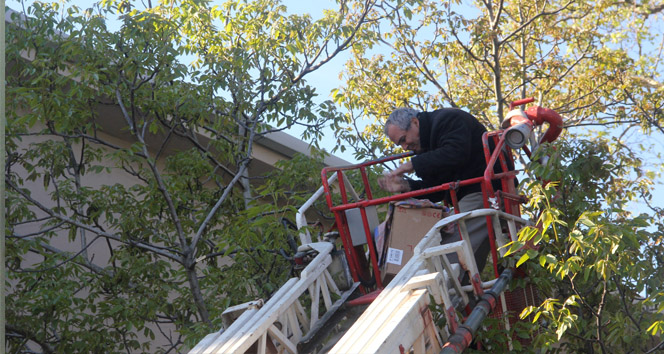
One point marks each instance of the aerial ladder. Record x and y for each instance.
(304, 315)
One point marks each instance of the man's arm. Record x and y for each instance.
(453, 143)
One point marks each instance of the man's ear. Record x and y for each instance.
(416, 122)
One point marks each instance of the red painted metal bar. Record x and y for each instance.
(521, 102)
(506, 183)
(402, 155)
(407, 195)
(365, 299)
(372, 248)
(348, 245)
(485, 145)
(344, 234)
(365, 181)
(342, 187)
(453, 196)
(353, 254)
(326, 187)
(489, 175)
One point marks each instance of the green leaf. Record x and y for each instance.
(656, 328)
(523, 258)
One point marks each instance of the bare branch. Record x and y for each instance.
(527, 23)
(40, 232)
(29, 336)
(340, 48)
(70, 221)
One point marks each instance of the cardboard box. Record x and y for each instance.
(407, 225)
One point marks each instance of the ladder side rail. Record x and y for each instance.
(406, 325)
(270, 317)
(511, 220)
(205, 342)
(249, 309)
(413, 320)
(391, 296)
(211, 341)
(375, 316)
(377, 322)
(426, 253)
(388, 298)
(254, 326)
(239, 328)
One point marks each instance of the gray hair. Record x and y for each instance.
(401, 118)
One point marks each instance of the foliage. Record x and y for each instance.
(184, 228)
(189, 230)
(598, 64)
(595, 258)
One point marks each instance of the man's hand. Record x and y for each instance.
(393, 183)
(403, 169)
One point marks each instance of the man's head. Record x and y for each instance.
(403, 128)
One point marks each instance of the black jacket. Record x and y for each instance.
(451, 140)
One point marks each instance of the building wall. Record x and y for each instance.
(99, 251)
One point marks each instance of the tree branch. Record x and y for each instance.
(45, 245)
(29, 336)
(70, 221)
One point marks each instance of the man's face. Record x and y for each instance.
(407, 139)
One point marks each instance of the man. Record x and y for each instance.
(448, 147)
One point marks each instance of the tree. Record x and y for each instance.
(597, 259)
(187, 209)
(596, 63)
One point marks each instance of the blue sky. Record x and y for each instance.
(324, 80)
(328, 79)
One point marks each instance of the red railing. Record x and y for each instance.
(506, 198)
(355, 255)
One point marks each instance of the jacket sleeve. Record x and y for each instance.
(453, 148)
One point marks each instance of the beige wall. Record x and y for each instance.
(264, 154)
